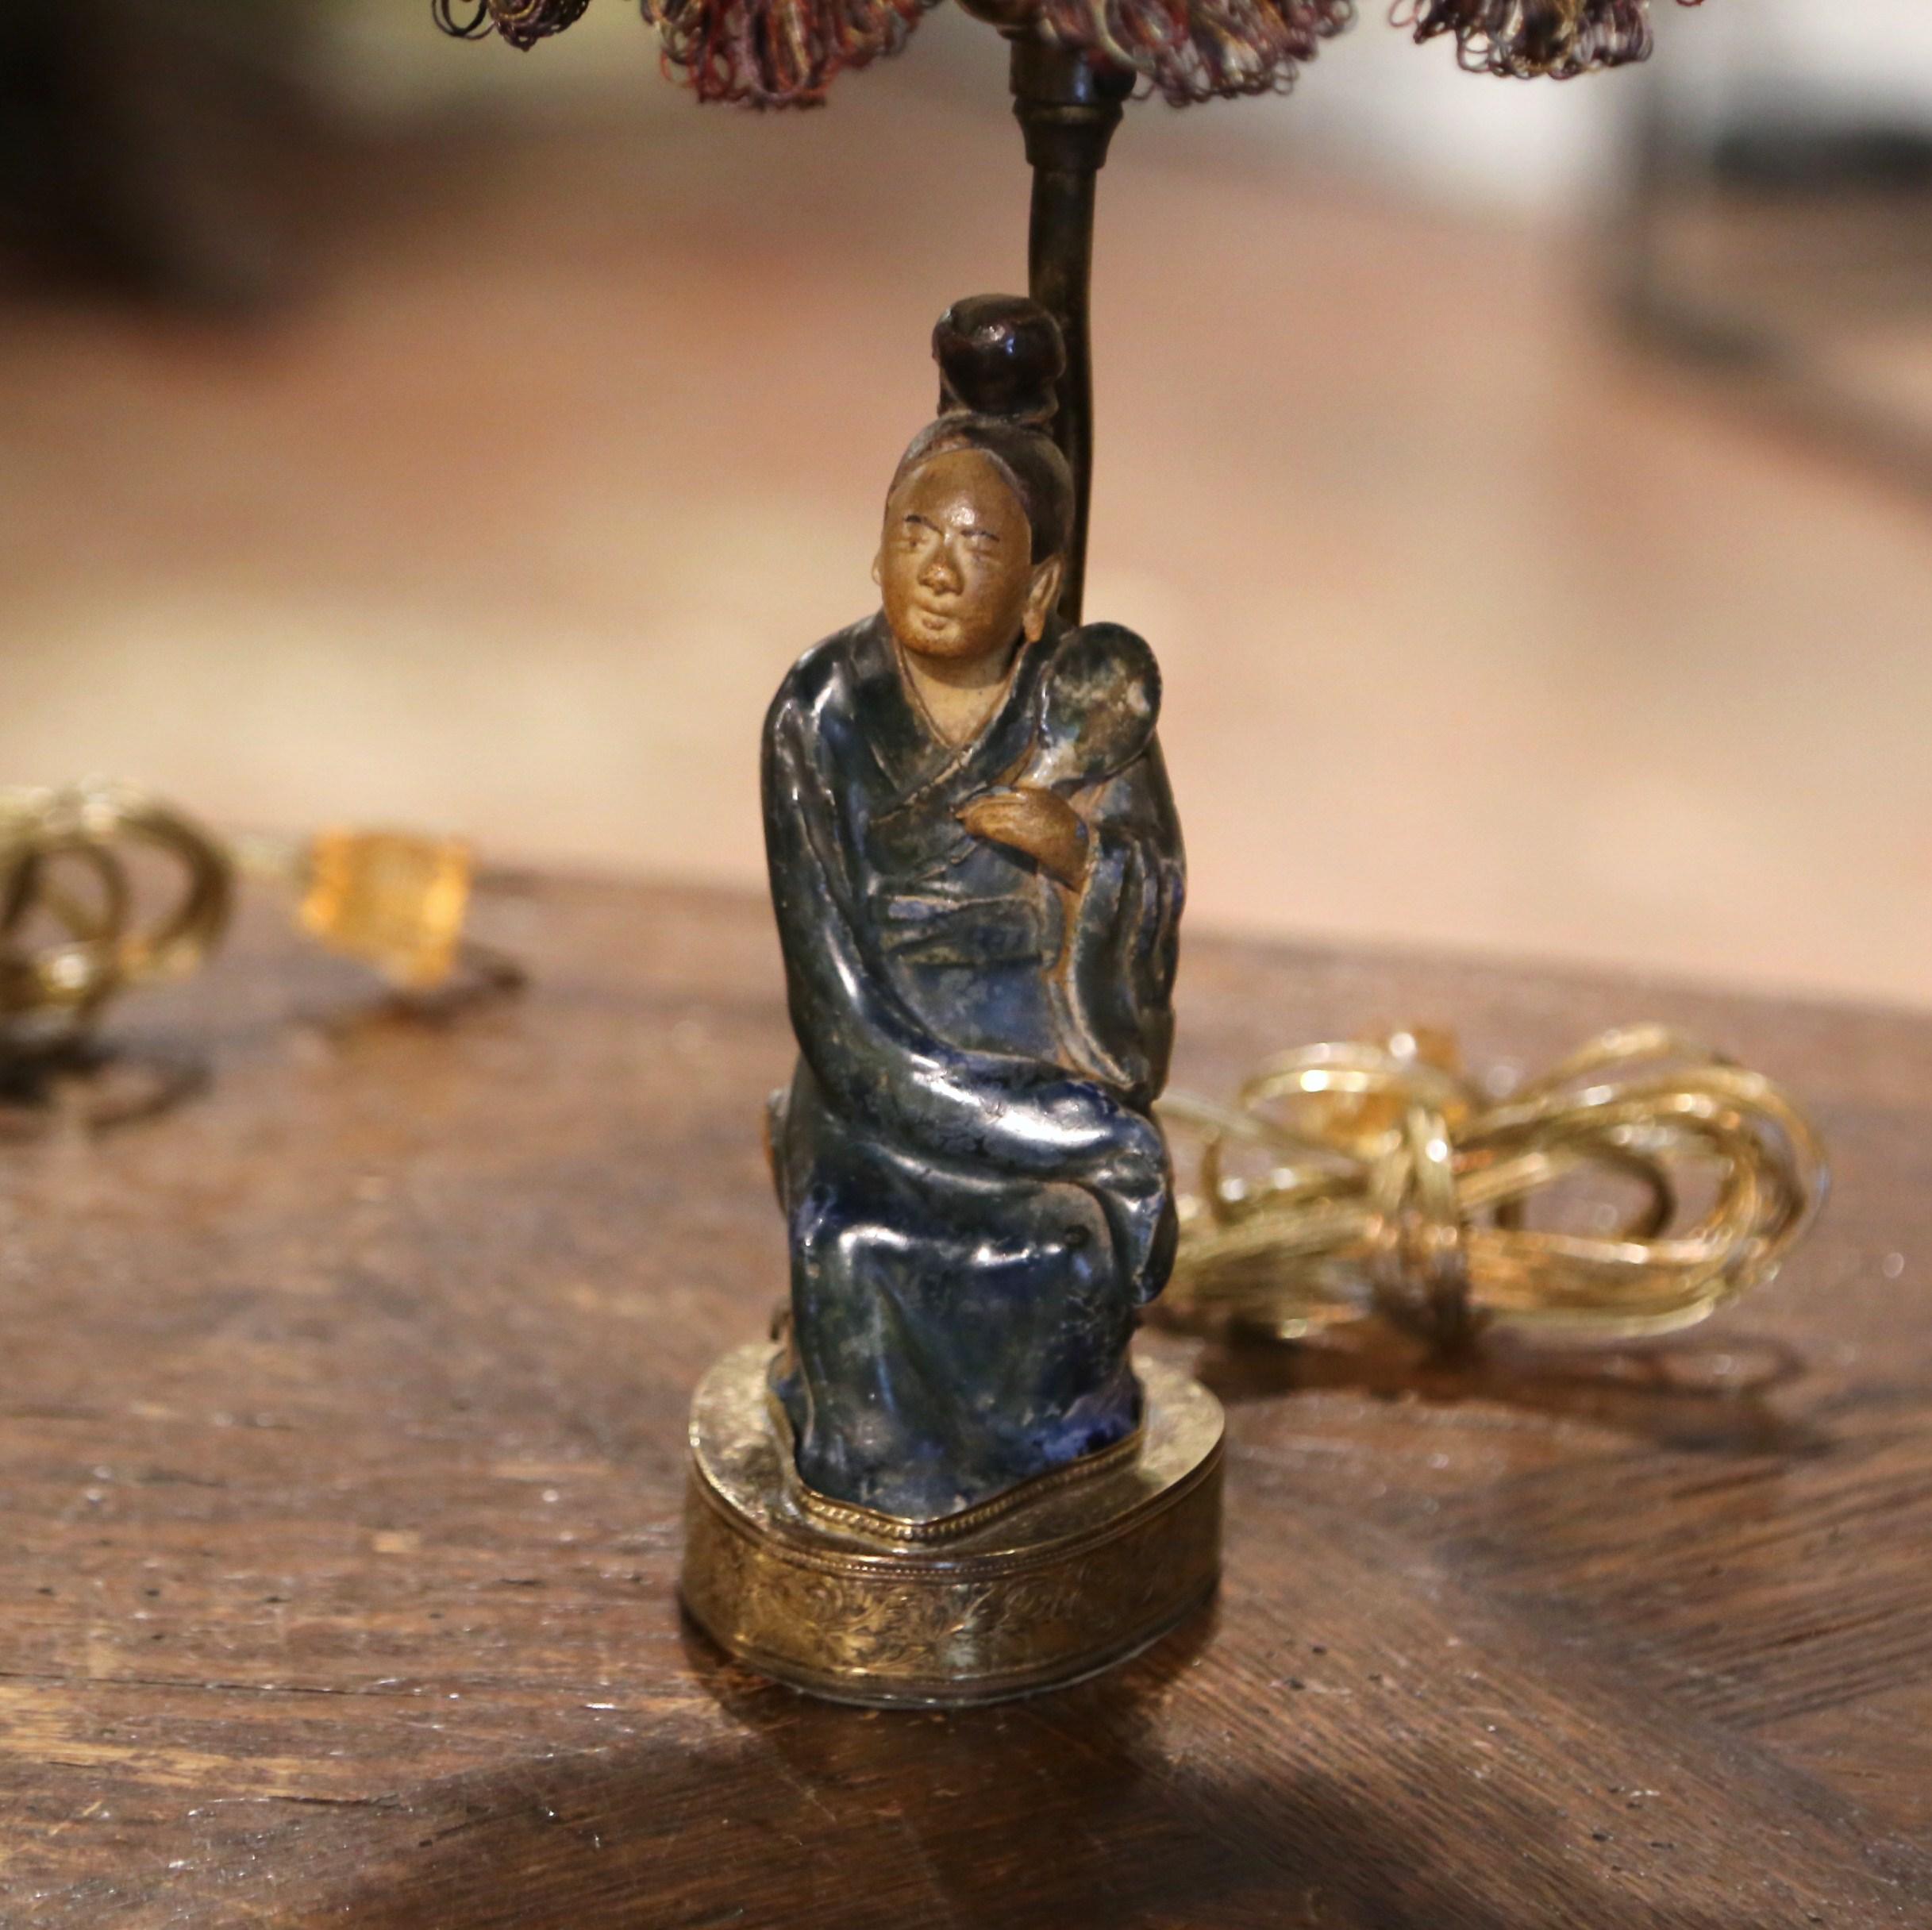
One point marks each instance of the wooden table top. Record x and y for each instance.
(341, 1452)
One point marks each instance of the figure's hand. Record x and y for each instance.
(1044, 827)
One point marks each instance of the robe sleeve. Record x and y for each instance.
(881, 1068)
(1123, 929)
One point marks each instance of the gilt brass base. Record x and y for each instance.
(1058, 1581)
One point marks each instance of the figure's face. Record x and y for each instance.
(956, 564)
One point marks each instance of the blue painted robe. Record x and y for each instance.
(977, 1196)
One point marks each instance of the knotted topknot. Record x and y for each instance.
(1000, 355)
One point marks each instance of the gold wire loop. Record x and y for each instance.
(1397, 1189)
(48, 840)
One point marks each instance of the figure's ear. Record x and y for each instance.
(1042, 595)
(879, 568)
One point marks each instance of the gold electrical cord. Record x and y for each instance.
(64, 859)
(1394, 1187)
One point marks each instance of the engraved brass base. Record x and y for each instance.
(1056, 1583)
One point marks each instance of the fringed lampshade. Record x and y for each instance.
(783, 53)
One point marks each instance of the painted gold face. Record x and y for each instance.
(956, 562)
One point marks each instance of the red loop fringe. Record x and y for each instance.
(523, 23)
(777, 53)
(1535, 38)
(1198, 50)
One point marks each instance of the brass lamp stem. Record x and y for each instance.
(1067, 110)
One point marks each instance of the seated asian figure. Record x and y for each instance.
(978, 877)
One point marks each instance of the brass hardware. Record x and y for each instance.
(394, 898)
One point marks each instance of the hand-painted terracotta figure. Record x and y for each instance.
(978, 877)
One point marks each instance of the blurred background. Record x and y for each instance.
(1528, 489)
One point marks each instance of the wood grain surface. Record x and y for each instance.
(341, 1452)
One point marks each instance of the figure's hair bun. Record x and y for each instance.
(1000, 355)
